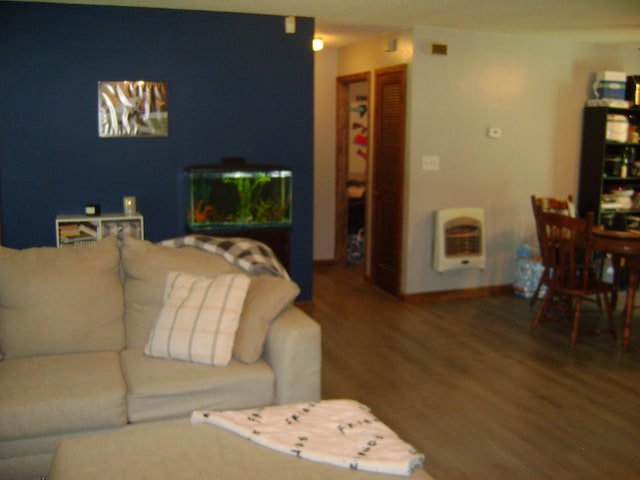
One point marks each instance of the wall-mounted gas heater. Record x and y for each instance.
(458, 239)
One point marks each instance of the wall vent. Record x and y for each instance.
(458, 239)
(439, 49)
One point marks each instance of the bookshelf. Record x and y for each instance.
(83, 229)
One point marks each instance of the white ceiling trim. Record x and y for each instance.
(598, 21)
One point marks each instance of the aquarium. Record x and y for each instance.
(237, 196)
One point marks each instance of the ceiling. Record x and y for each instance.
(341, 22)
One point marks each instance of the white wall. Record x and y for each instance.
(367, 56)
(331, 63)
(533, 88)
(324, 168)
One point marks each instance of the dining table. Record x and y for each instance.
(624, 246)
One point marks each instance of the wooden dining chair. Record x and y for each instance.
(566, 246)
(548, 204)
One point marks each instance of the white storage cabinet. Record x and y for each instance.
(82, 229)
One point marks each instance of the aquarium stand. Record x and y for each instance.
(277, 238)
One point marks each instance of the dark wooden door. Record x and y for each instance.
(388, 178)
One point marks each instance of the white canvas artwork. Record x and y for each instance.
(133, 109)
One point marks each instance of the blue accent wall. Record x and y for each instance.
(237, 86)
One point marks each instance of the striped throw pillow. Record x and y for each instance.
(199, 318)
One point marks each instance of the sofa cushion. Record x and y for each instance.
(266, 298)
(159, 388)
(146, 267)
(51, 394)
(199, 318)
(61, 300)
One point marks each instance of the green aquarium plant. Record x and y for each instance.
(237, 196)
(249, 190)
(202, 211)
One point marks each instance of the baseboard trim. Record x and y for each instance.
(493, 291)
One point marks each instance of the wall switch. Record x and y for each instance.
(290, 24)
(430, 162)
(494, 132)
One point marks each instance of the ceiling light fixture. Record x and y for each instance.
(317, 44)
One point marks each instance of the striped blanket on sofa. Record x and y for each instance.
(250, 255)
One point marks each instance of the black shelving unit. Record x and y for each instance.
(596, 177)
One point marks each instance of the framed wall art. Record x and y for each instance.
(133, 109)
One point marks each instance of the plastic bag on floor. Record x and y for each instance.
(528, 270)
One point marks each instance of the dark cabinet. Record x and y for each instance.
(278, 239)
(609, 161)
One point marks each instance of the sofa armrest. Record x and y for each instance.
(293, 349)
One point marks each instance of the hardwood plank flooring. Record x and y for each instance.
(465, 383)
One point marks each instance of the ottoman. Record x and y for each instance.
(177, 449)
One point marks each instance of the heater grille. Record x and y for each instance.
(463, 239)
(458, 239)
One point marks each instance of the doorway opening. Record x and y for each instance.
(352, 167)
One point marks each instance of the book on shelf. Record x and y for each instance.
(88, 229)
(73, 230)
(70, 233)
(66, 227)
(77, 240)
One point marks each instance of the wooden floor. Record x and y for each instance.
(465, 383)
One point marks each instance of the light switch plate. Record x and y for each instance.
(430, 162)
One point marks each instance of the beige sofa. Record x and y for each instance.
(74, 325)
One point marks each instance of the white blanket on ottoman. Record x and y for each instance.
(338, 432)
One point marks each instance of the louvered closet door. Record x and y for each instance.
(388, 178)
